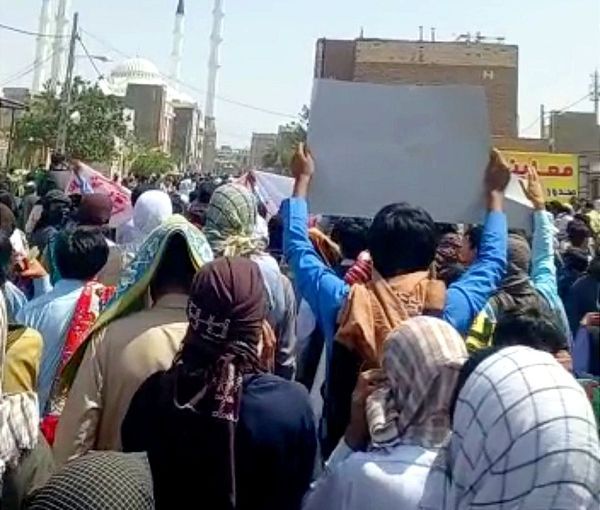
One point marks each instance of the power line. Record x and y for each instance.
(539, 118)
(87, 53)
(28, 32)
(27, 70)
(196, 89)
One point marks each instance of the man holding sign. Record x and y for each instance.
(402, 241)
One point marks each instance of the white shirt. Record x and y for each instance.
(379, 480)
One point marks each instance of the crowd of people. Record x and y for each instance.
(205, 354)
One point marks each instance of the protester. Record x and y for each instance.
(584, 296)
(215, 424)
(563, 217)
(401, 286)
(579, 235)
(406, 421)
(30, 199)
(127, 345)
(530, 279)
(575, 262)
(150, 210)
(25, 459)
(230, 230)
(63, 314)
(125, 233)
(447, 258)
(351, 235)
(98, 481)
(523, 436)
(56, 207)
(534, 327)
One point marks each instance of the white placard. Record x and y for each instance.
(378, 144)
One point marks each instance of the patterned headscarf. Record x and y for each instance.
(231, 221)
(19, 412)
(98, 481)
(422, 361)
(523, 436)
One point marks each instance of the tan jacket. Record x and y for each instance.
(117, 361)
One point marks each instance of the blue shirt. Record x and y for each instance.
(51, 315)
(325, 292)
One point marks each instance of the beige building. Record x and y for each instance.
(261, 144)
(493, 66)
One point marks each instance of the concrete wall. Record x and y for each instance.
(148, 103)
(574, 132)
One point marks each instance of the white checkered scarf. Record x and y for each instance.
(19, 415)
(523, 436)
(422, 361)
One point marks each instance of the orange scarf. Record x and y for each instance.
(375, 309)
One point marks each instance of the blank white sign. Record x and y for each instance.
(379, 144)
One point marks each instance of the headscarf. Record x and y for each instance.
(230, 222)
(98, 481)
(95, 210)
(422, 361)
(151, 209)
(447, 253)
(329, 251)
(19, 413)
(132, 292)
(523, 436)
(226, 311)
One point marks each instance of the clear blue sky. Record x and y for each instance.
(268, 48)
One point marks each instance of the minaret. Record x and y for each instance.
(175, 73)
(209, 147)
(42, 47)
(61, 43)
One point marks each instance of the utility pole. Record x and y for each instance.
(595, 95)
(65, 99)
(542, 122)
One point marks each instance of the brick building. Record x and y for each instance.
(493, 66)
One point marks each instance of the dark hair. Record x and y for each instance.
(351, 234)
(276, 235)
(80, 253)
(179, 206)
(6, 251)
(402, 239)
(578, 232)
(139, 190)
(446, 228)
(9, 200)
(577, 259)
(175, 268)
(474, 235)
(532, 327)
(205, 191)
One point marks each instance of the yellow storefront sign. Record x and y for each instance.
(559, 172)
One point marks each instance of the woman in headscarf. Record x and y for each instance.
(523, 436)
(150, 210)
(98, 481)
(230, 229)
(218, 429)
(138, 334)
(407, 420)
(25, 459)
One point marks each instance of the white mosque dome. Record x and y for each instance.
(135, 71)
(135, 68)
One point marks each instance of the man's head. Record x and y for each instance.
(532, 327)
(139, 191)
(94, 210)
(57, 207)
(519, 254)
(175, 272)
(8, 222)
(351, 234)
(80, 253)
(470, 245)
(9, 200)
(578, 233)
(402, 239)
(6, 257)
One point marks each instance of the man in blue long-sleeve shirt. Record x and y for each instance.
(393, 251)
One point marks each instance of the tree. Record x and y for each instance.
(290, 135)
(96, 122)
(148, 162)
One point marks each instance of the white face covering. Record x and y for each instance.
(151, 209)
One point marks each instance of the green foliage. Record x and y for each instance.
(151, 162)
(290, 135)
(92, 138)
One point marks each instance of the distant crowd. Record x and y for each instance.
(207, 354)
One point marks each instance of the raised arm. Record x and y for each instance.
(467, 297)
(318, 285)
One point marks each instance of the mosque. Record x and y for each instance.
(161, 114)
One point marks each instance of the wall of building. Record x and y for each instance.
(261, 144)
(575, 132)
(149, 103)
(493, 66)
